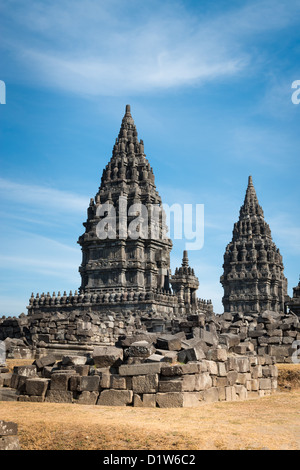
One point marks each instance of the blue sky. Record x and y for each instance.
(209, 84)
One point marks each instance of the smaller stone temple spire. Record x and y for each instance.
(253, 278)
(185, 283)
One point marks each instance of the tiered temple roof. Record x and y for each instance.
(253, 278)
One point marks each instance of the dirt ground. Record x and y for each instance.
(266, 423)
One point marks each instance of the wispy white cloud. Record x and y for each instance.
(41, 196)
(158, 46)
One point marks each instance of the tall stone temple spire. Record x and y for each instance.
(134, 254)
(253, 278)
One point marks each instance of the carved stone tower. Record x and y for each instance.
(253, 278)
(185, 284)
(124, 245)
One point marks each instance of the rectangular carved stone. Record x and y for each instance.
(145, 383)
(8, 428)
(169, 342)
(107, 356)
(88, 398)
(88, 383)
(115, 397)
(37, 386)
(9, 443)
(203, 381)
(60, 381)
(59, 396)
(147, 400)
(140, 369)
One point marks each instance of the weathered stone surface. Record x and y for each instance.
(73, 360)
(217, 354)
(8, 428)
(171, 370)
(37, 386)
(9, 394)
(195, 353)
(25, 371)
(44, 361)
(140, 349)
(89, 383)
(169, 400)
(60, 381)
(59, 396)
(9, 443)
(145, 383)
(178, 400)
(144, 401)
(203, 381)
(170, 384)
(118, 382)
(169, 342)
(140, 369)
(107, 356)
(265, 384)
(211, 394)
(115, 398)
(88, 398)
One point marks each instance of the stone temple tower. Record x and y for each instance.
(253, 278)
(124, 247)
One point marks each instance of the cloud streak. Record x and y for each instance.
(150, 48)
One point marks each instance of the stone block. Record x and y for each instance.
(229, 339)
(243, 364)
(140, 369)
(59, 396)
(241, 392)
(9, 394)
(217, 354)
(254, 385)
(9, 443)
(73, 360)
(60, 381)
(210, 395)
(140, 349)
(265, 384)
(8, 428)
(232, 377)
(5, 379)
(107, 356)
(169, 342)
(256, 371)
(194, 353)
(145, 383)
(212, 367)
(243, 348)
(147, 400)
(88, 383)
(32, 398)
(37, 386)
(222, 370)
(221, 382)
(169, 400)
(88, 398)
(82, 369)
(243, 377)
(115, 398)
(203, 381)
(118, 382)
(25, 371)
(170, 384)
(211, 339)
(45, 361)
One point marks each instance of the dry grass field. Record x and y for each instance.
(267, 423)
